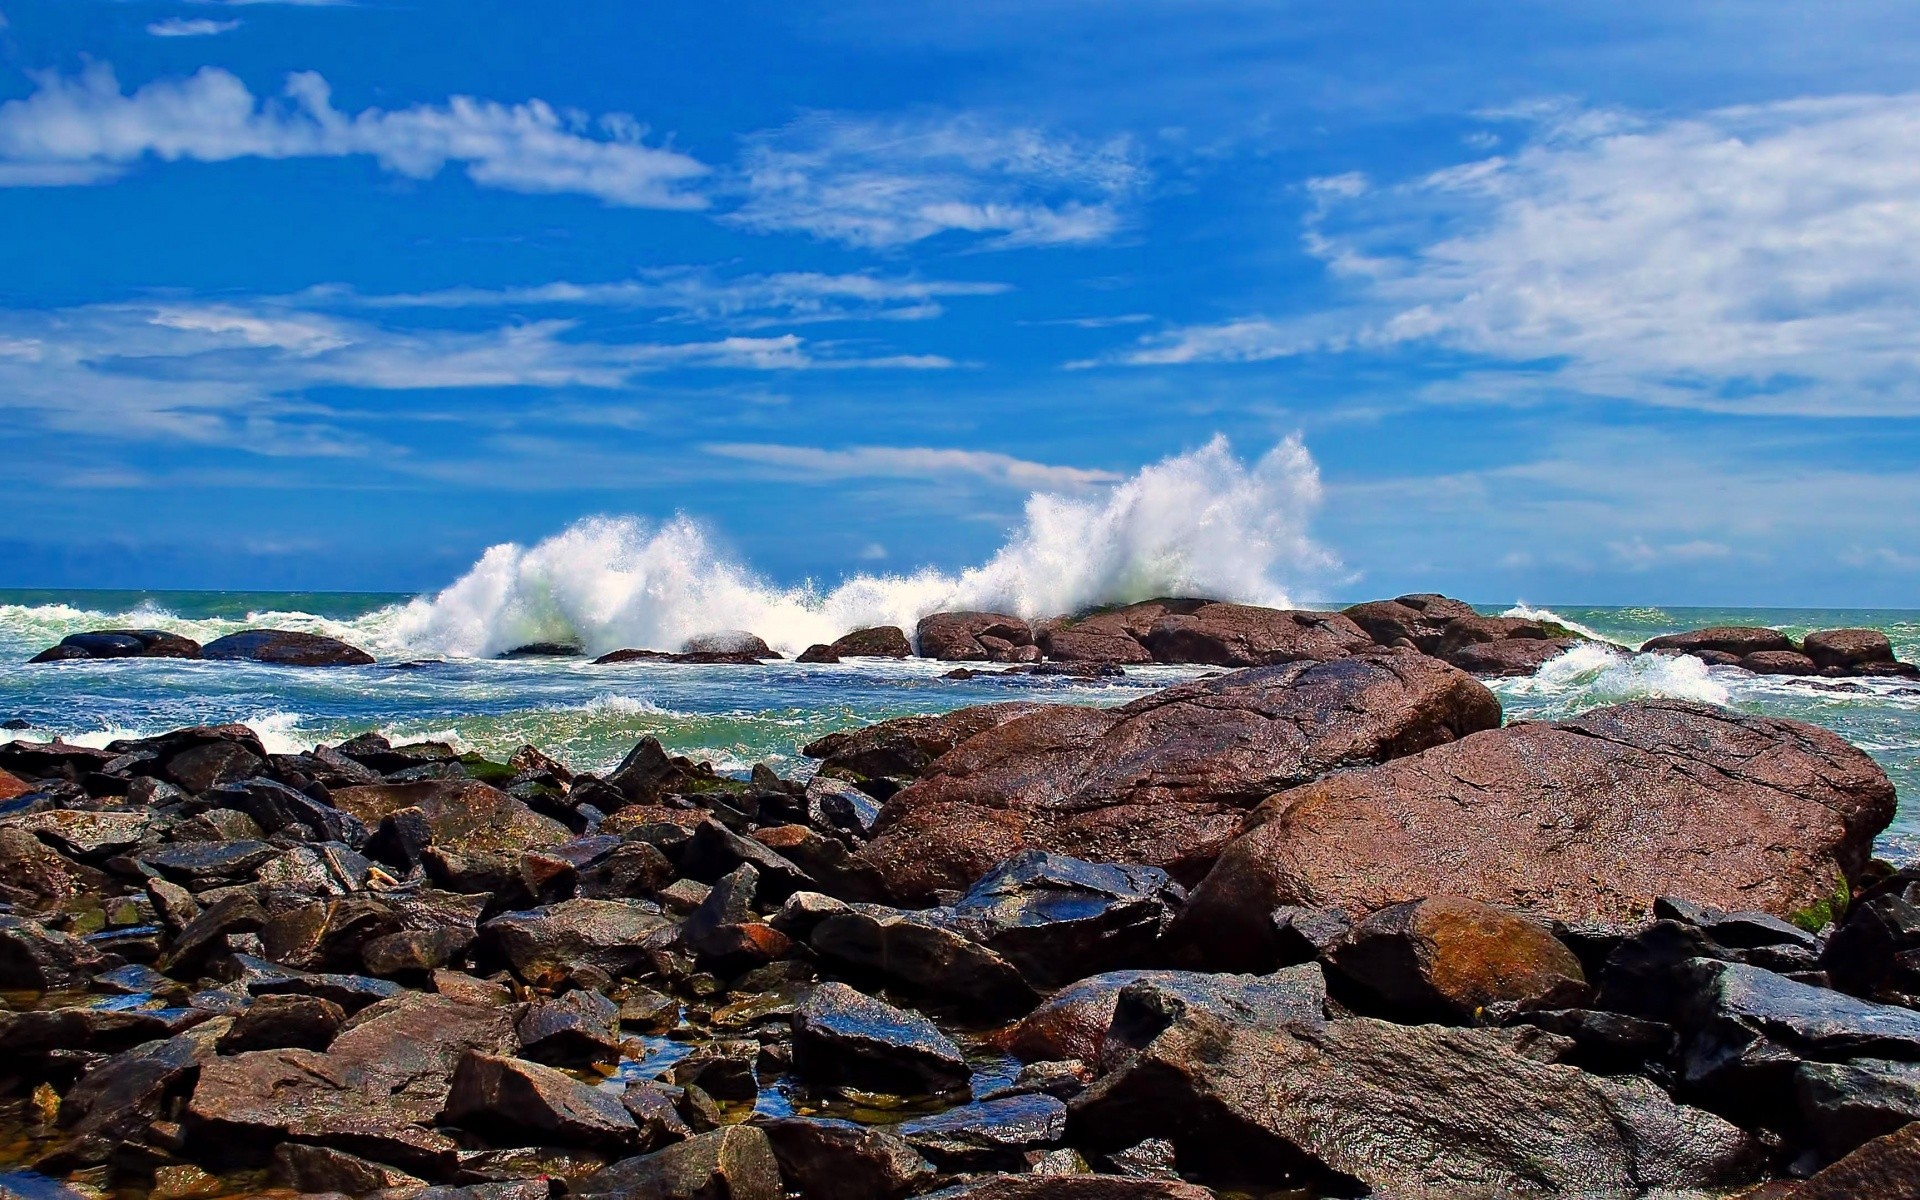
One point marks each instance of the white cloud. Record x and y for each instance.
(1755, 259)
(911, 462)
(84, 129)
(884, 183)
(799, 296)
(176, 27)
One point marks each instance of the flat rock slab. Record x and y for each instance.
(1589, 819)
(1163, 781)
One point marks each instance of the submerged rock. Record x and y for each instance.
(1165, 780)
(1588, 819)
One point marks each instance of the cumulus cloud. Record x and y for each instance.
(887, 183)
(84, 129)
(787, 297)
(1763, 258)
(910, 462)
(176, 27)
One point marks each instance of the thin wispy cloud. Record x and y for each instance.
(788, 297)
(84, 129)
(910, 462)
(186, 27)
(1764, 258)
(881, 183)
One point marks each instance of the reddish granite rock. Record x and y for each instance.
(1514, 656)
(1778, 662)
(1585, 819)
(1848, 649)
(1739, 640)
(1164, 780)
(1241, 635)
(1419, 620)
(904, 747)
(1118, 635)
(958, 636)
(881, 641)
(1448, 957)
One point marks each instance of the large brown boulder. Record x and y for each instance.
(1418, 620)
(882, 641)
(463, 814)
(1165, 780)
(972, 636)
(1848, 649)
(1448, 957)
(1737, 640)
(1241, 635)
(903, 748)
(1514, 656)
(1118, 635)
(1588, 819)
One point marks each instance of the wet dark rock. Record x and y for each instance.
(1588, 819)
(989, 1135)
(545, 650)
(1847, 1104)
(1058, 919)
(350, 992)
(414, 1041)
(35, 958)
(410, 953)
(285, 1023)
(1241, 635)
(102, 1030)
(842, 1038)
(880, 641)
(33, 874)
(1737, 640)
(725, 1070)
(329, 934)
(88, 835)
(469, 817)
(205, 865)
(548, 944)
(1883, 1169)
(575, 1030)
(648, 773)
(287, 648)
(1875, 953)
(957, 636)
(206, 936)
(462, 988)
(735, 1163)
(833, 804)
(657, 1121)
(1605, 1042)
(120, 643)
(888, 755)
(702, 658)
(277, 807)
(317, 1169)
(1406, 1111)
(907, 948)
(117, 1099)
(1447, 958)
(715, 851)
(633, 869)
(826, 1159)
(1733, 930)
(1165, 780)
(513, 1101)
(1418, 620)
(819, 652)
(1069, 1187)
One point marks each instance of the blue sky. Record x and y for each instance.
(1570, 302)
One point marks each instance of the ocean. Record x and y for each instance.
(437, 679)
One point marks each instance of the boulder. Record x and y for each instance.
(1074, 1022)
(547, 945)
(1847, 649)
(698, 658)
(285, 1023)
(12, 786)
(1419, 620)
(1778, 662)
(1514, 656)
(1588, 819)
(956, 636)
(1886, 1168)
(732, 1163)
(117, 1099)
(827, 1159)
(1875, 952)
(1241, 635)
(38, 959)
(648, 773)
(1447, 958)
(33, 874)
(318, 1170)
(1846, 1104)
(1165, 780)
(1007, 1134)
(893, 753)
(1401, 1112)
(576, 1030)
(512, 1101)
(120, 643)
(911, 949)
(1058, 919)
(819, 652)
(729, 641)
(286, 648)
(843, 1038)
(1737, 640)
(459, 815)
(1069, 1187)
(881, 641)
(1116, 635)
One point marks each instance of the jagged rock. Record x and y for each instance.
(1875, 953)
(351, 992)
(514, 1101)
(1737, 640)
(1448, 957)
(833, 805)
(1240, 635)
(971, 636)
(989, 1135)
(575, 1030)
(549, 944)
(32, 873)
(1068, 1187)
(880, 641)
(715, 851)
(102, 1030)
(1605, 1042)
(1514, 656)
(1058, 919)
(120, 643)
(86, 834)
(1591, 818)
(1405, 1111)
(1419, 620)
(890, 754)
(459, 814)
(1847, 1104)
(285, 1023)
(1074, 1022)
(1165, 780)
(819, 652)
(1886, 1168)
(318, 1170)
(413, 1042)
(204, 865)
(908, 948)
(35, 958)
(654, 1116)
(826, 1159)
(1117, 635)
(734, 1163)
(277, 807)
(842, 1038)
(409, 953)
(116, 1100)
(286, 648)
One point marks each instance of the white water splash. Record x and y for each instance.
(1528, 612)
(1591, 675)
(1202, 523)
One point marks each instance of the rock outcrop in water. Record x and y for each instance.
(1438, 957)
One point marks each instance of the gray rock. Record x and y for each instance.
(735, 1163)
(843, 1038)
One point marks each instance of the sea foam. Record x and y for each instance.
(1200, 523)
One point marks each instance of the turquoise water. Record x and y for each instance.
(736, 716)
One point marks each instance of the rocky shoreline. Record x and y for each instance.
(1319, 924)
